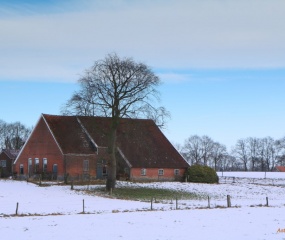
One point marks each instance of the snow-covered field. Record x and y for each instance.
(55, 212)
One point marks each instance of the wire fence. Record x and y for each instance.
(260, 181)
(227, 197)
(154, 204)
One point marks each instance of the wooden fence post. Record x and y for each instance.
(17, 206)
(40, 180)
(176, 202)
(83, 206)
(228, 200)
(209, 205)
(151, 201)
(266, 201)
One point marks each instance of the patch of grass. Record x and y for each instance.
(145, 194)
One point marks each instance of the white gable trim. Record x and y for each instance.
(124, 157)
(52, 135)
(87, 133)
(26, 142)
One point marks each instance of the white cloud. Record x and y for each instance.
(164, 34)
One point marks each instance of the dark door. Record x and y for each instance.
(54, 171)
(99, 171)
(102, 171)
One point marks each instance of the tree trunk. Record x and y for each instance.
(112, 166)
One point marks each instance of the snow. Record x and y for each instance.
(55, 212)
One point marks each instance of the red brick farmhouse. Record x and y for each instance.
(77, 146)
(7, 157)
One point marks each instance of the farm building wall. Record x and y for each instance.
(157, 174)
(81, 166)
(5, 165)
(40, 154)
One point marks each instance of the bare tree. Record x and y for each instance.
(230, 163)
(280, 160)
(83, 102)
(271, 152)
(207, 148)
(117, 87)
(2, 133)
(219, 153)
(253, 145)
(241, 153)
(13, 135)
(192, 150)
(204, 151)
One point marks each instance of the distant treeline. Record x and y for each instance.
(13, 135)
(249, 154)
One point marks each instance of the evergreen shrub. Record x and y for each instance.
(201, 174)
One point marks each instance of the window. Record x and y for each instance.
(30, 166)
(3, 163)
(37, 165)
(143, 171)
(176, 172)
(44, 165)
(160, 172)
(86, 166)
(21, 168)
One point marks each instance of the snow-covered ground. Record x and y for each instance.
(56, 211)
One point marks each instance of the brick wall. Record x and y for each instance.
(6, 171)
(168, 174)
(75, 166)
(41, 145)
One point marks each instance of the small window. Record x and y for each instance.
(86, 165)
(160, 172)
(3, 163)
(176, 172)
(143, 171)
(45, 165)
(21, 168)
(37, 165)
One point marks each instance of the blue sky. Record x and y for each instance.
(222, 63)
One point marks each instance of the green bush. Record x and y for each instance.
(201, 174)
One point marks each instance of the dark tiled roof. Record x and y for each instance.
(11, 153)
(69, 134)
(280, 168)
(140, 140)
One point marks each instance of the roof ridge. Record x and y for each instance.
(81, 116)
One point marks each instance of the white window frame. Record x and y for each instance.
(37, 165)
(21, 168)
(160, 172)
(143, 172)
(45, 162)
(30, 166)
(86, 165)
(176, 172)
